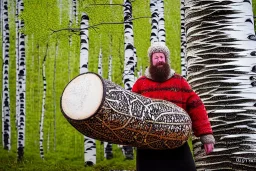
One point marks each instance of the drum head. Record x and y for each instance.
(83, 96)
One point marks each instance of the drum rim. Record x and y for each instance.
(102, 100)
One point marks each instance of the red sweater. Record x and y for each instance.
(177, 90)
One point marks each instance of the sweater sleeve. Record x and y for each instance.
(198, 114)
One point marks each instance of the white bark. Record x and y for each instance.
(183, 40)
(17, 62)
(74, 9)
(154, 21)
(129, 64)
(135, 62)
(70, 39)
(161, 27)
(221, 69)
(84, 44)
(110, 59)
(3, 37)
(1, 16)
(89, 143)
(22, 87)
(100, 63)
(6, 122)
(106, 144)
(41, 140)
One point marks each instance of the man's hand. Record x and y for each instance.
(208, 148)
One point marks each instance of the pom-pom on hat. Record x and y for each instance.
(159, 47)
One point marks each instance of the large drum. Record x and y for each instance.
(105, 111)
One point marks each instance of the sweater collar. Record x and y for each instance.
(148, 75)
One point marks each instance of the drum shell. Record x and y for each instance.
(131, 119)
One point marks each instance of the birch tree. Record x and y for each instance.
(89, 143)
(70, 37)
(183, 39)
(128, 46)
(100, 62)
(2, 34)
(1, 16)
(22, 87)
(154, 21)
(17, 61)
(108, 153)
(6, 119)
(129, 63)
(75, 7)
(41, 130)
(157, 21)
(161, 27)
(221, 63)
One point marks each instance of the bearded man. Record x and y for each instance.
(161, 82)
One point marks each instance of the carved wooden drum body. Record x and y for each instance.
(105, 111)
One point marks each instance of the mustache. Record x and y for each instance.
(160, 63)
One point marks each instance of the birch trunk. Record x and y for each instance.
(183, 39)
(3, 37)
(70, 39)
(17, 61)
(154, 21)
(221, 69)
(129, 63)
(100, 63)
(128, 46)
(6, 122)
(1, 16)
(161, 27)
(22, 88)
(135, 62)
(41, 140)
(108, 153)
(75, 7)
(89, 143)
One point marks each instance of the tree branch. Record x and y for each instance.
(95, 26)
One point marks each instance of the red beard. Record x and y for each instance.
(160, 72)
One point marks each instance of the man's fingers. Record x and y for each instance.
(208, 148)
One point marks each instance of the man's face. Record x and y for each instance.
(158, 58)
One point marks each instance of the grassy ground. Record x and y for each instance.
(8, 162)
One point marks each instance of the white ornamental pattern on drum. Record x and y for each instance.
(164, 118)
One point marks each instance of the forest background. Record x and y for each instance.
(48, 37)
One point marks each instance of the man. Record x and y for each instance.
(161, 82)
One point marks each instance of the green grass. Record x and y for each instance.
(9, 162)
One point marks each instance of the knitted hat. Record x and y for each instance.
(159, 47)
